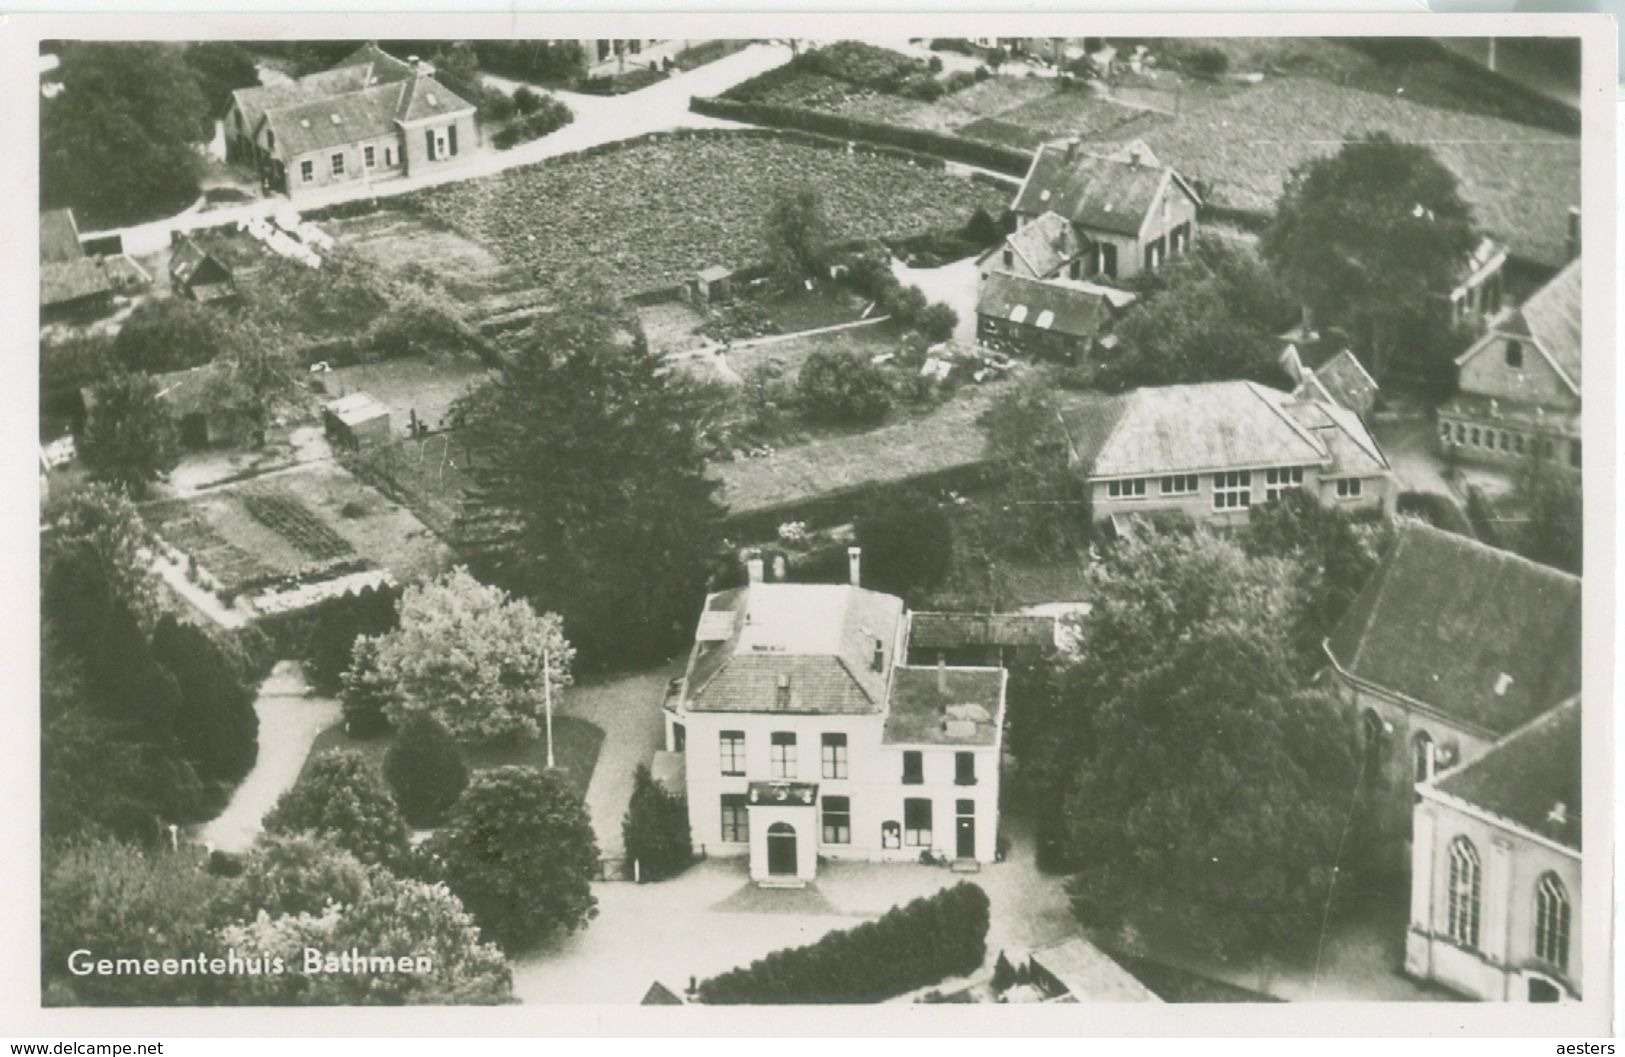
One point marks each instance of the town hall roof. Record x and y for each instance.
(1531, 778)
(1481, 635)
(782, 647)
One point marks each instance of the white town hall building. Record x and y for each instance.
(804, 733)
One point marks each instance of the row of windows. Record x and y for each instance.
(1465, 895)
(1504, 441)
(440, 143)
(835, 821)
(833, 763)
(1279, 479)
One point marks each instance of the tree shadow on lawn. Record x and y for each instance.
(575, 750)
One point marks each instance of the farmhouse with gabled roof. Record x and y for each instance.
(371, 117)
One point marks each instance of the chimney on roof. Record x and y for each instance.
(942, 674)
(1559, 814)
(877, 658)
(753, 569)
(1073, 145)
(854, 565)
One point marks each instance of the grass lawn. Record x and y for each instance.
(985, 574)
(428, 386)
(575, 749)
(656, 212)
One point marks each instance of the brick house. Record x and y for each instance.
(804, 733)
(1056, 319)
(1519, 385)
(1213, 450)
(1451, 646)
(371, 117)
(1495, 868)
(1133, 212)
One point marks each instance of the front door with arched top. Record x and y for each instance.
(781, 850)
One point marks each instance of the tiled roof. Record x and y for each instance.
(335, 121)
(1089, 975)
(1047, 305)
(65, 281)
(1551, 317)
(254, 102)
(1109, 193)
(1190, 429)
(810, 646)
(1528, 775)
(1343, 380)
(955, 630)
(1352, 450)
(384, 66)
(1476, 633)
(188, 257)
(58, 237)
(423, 98)
(946, 706)
(1045, 244)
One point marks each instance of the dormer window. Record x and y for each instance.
(782, 692)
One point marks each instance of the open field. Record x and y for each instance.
(655, 212)
(410, 383)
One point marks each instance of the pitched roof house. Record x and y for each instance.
(372, 116)
(1213, 450)
(1133, 210)
(1496, 872)
(1041, 249)
(196, 273)
(1056, 318)
(74, 285)
(1340, 379)
(808, 734)
(1519, 385)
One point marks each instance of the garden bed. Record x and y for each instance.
(660, 209)
(575, 750)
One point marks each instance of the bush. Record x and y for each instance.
(169, 334)
(368, 612)
(843, 385)
(934, 64)
(526, 100)
(938, 321)
(959, 80)
(655, 829)
(905, 304)
(217, 728)
(365, 694)
(425, 770)
(911, 946)
(1207, 61)
(341, 797)
(547, 114)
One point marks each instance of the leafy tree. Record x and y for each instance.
(1210, 315)
(292, 874)
(1370, 237)
(216, 726)
(526, 99)
(843, 385)
(1552, 531)
(518, 850)
(98, 526)
(420, 323)
(425, 769)
(116, 900)
(907, 543)
(254, 381)
(655, 828)
(117, 142)
(220, 68)
(371, 611)
(129, 437)
(1026, 438)
(938, 321)
(372, 911)
(796, 234)
(340, 796)
(471, 657)
(581, 402)
(169, 334)
(1334, 554)
(1209, 796)
(366, 694)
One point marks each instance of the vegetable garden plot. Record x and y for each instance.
(233, 568)
(293, 521)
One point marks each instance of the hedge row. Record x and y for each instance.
(927, 940)
(1006, 160)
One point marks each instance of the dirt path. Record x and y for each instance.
(289, 722)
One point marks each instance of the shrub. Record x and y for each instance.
(1207, 61)
(368, 612)
(934, 64)
(425, 771)
(526, 99)
(169, 334)
(905, 304)
(341, 797)
(217, 728)
(547, 114)
(655, 829)
(843, 385)
(938, 321)
(959, 80)
(365, 693)
(910, 946)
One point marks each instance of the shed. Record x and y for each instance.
(356, 421)
(59, 237)
(1078, 968)
(714, 284)
(198, 274)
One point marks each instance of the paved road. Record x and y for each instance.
(599, 119)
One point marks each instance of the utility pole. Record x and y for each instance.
(547, 699)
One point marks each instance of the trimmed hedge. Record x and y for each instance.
(1006, 160)
(911, 946)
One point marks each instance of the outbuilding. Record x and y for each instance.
(356, 422)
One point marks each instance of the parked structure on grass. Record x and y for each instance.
(371, 117)
(1132, 212)
(1056, 319)
(1451, 646)
(907, 757)
(197, 274)
(1519, 385)
(1495, 874)
(1211, 451)
(357, 422)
